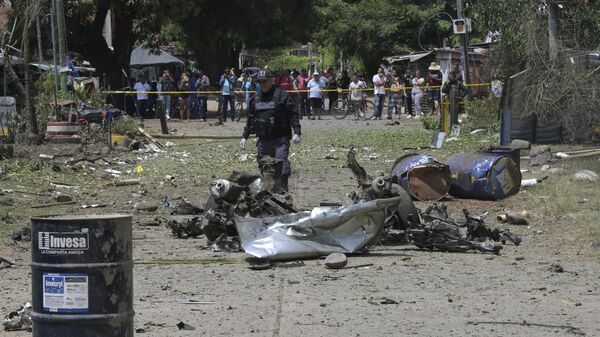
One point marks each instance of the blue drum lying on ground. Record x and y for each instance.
(484, 175)
(423, 177)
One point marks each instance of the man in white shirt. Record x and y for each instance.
(356, 94)
(316, 85)
(142, 88)
(379, 81)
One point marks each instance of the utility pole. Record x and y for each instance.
(62, 39)
(552, 30)
(464, 50)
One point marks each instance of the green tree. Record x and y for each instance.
(372, 29)
(134, 20)
(216, 31)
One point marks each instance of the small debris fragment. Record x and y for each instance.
(336, 261)
(556, 268)
(556, 171)
(539, 155)
(514, 218)
(145, 206)
(19, 319)
(519, 144)
(61, 197)
(185, 326)
(586, 175)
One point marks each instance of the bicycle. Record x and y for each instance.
(363, 109)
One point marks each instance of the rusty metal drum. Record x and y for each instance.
(422, 176)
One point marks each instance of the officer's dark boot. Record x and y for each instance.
(284, 182)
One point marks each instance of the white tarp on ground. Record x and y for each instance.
(142, 56)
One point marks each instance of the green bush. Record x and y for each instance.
(431, 122)
(123, 126)
(483, 113)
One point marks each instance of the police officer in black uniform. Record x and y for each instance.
(272, 117)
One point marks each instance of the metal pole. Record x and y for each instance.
(62, 41)
(53, 30)
(464, 50)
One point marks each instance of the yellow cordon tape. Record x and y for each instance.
(290, 91)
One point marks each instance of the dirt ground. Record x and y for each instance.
(401, 292)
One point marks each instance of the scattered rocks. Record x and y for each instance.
(61, 197)
(105, 150)
(586, 175)
(556, 268)
(539, 155)
(519, 144)
(146, 206)
(545, 167)
(556, 171)
(24, 234)
(336, 261)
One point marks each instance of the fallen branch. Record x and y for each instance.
(89, 160)
(53, 204)
(150, 138)
(126, 182)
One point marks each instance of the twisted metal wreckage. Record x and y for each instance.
(255, 212)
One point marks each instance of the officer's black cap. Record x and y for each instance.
(263, 75)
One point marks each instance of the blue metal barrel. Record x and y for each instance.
(483, 176)
(82, 276)
(422, 176)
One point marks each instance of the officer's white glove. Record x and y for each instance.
(243, 143)
(296, 139)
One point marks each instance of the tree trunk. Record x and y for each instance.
(32, 125)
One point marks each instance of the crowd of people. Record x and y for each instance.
(402, 92)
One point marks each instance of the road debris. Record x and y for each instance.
(124, 182)
(514, 218)
(6, 262)
(539, 155)
(184, 226)
(185, 326)
(19, 319)
(146, 206)
(586, 175)
(23, 234)
(336, 261)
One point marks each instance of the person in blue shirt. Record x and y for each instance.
(227, 83)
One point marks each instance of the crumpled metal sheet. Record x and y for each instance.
(322, 231)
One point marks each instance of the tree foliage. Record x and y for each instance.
(216, 31)
(134, 20)
(372, 29)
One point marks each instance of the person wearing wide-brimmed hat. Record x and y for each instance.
(434, 83)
